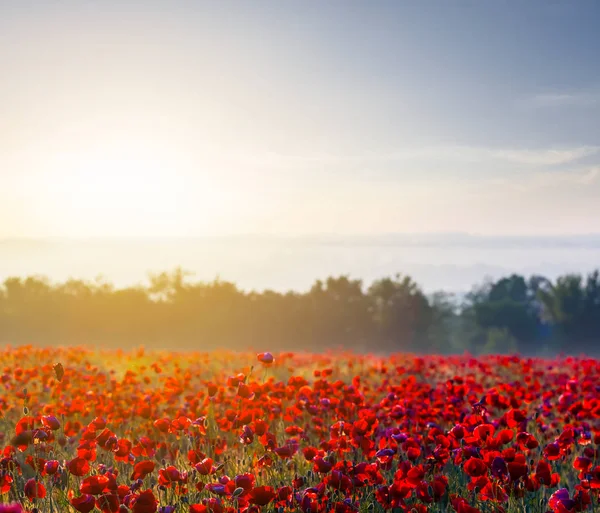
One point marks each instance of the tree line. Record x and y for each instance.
(532, 315)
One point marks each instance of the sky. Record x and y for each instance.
(186, 118)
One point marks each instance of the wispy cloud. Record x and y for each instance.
(583, 177)
(457, 153)
(549, 157)
(565, 99)
(577, 177)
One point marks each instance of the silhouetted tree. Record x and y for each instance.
(572, 306)
(392, 314)
(401, 313)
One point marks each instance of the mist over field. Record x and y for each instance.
(531, 295)
(450, 262)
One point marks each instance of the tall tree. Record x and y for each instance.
(401, 313)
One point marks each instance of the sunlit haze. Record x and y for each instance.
(192, 118)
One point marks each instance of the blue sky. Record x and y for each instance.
(185, 118)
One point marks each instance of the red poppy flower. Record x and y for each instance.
(78, 466)
(460, 505)
(93, 485)
(108, 503)
(244, 481)
(493, 491)
(322, 466)
(245, 391)
(261, 496)
(543, 473)
(212, 390)
(552, 451)
(162, 425)
(475, 467)
(144, 502)
(51, 422)
(83, 503)
(50, 467)
(142, 469)
(34, 490)
(5, 483)
(561, 502)
(582, 464)
(205, 467)
(169, 475)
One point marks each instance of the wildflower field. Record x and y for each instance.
(221, 432)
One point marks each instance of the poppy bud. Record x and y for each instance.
(266, 358)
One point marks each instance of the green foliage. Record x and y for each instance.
(508, 305)
(499, 341)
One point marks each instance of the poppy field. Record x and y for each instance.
(144, 432)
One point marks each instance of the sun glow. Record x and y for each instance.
(126, 191)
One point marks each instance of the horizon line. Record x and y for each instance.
(390, 239)
(558, 235)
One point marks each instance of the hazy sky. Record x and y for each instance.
(185, 118)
